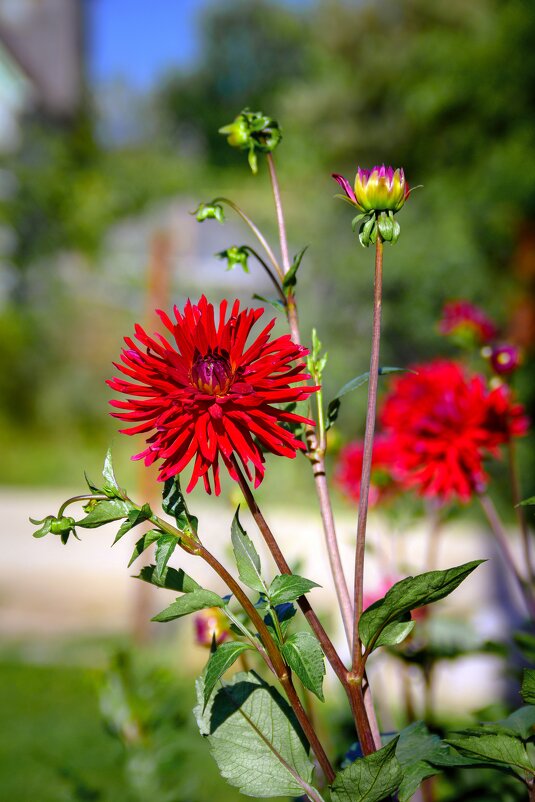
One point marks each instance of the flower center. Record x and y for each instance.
(211, 374)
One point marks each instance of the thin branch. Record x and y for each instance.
(368, 451)
(256, 231)
(268, 270)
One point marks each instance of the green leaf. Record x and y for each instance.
(503, 750)
(111, 486)
(170, 578)
(289, 587)
(247, 558)
(304, 655)
(255, 738)
(528, 502)
(105, 511)
(134, 518)
(528, 686)
(143, 543)
(285, 613)
(521, 721)
(416, 750)
(45, 528)
(370, 778)
(290, 279)
(334, 406)
(174, 504)
(221, 660)
(190, 603)
(276, 303)
(164, 548)
(407, 595)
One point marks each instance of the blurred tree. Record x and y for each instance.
(250, 53)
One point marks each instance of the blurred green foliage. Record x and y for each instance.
(444, 89)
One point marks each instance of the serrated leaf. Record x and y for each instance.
(104, 512)
(289, 587)
(134, 518)
(143, 543)
(165, 547)
(255, 738)
(190, 603)
(528, 686)
(370, 778)
(416, 750)
(504, 751)
(290, 279)
(247, 558)
(221, 660)
(407, 595)
(170, 578)
(174, 504)
(304, 655)
(334, 406)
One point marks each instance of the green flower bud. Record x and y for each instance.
(209, 211)
(253, 131)
(236, 255)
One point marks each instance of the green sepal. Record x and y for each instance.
(253, 160)
(220, 661)
(169, 578)
(290, 279)
(272, 758)
(45, 528)
(247, 559)
(368, 232)
(382, 619)
(289, 587)
(385, 226)
(360, 217)
(370, 778)
(189, 603)
(303, 653)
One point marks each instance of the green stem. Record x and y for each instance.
(268, 270)
(282, 671)
(256, 231)
(368, 452)
(82, 497)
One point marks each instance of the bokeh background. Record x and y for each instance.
(109, 111)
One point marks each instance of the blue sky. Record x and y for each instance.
(141, 39)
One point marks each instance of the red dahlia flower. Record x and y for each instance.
(443, 424)
(207, 395)
(467, 323)
(349, 469)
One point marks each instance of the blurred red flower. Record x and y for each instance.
(207, 395)
(467, 323)
(349, 469)
(443, 423)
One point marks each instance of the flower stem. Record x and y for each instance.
(353, 690)
(520, 512)
(502, 539)
(276, 661)
(268, 270)
(316, 451)
(368, 451)
(256, 231)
